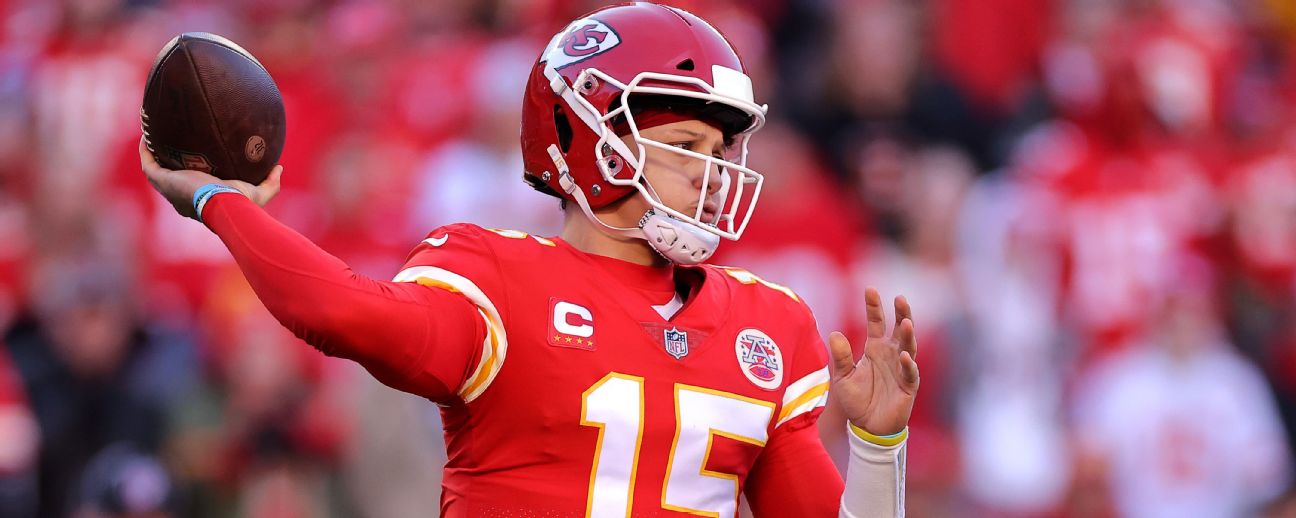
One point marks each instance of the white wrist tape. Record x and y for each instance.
(875, 475)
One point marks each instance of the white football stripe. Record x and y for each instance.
(494, 323)
(806, 407)
(807, 382)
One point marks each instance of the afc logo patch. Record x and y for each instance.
(759, 358)
(570, 325)
(580, 40)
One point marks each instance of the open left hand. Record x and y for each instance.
(179, 186)
(877, 393)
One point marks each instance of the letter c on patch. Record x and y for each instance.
(562, 323)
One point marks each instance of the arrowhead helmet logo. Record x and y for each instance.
(581, 40)
(584, 41)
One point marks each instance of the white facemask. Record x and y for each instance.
(680, 242)
(679, 237)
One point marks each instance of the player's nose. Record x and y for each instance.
(711, 178)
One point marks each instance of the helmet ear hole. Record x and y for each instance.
(563, 129)
(685, 65)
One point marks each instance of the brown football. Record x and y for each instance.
(210, 106)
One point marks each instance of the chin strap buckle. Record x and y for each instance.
(564, 173)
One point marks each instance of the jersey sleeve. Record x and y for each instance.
(410, 337)
(459, 259)
(794, 476)
(806, 394)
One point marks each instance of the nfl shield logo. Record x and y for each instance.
(676, 342)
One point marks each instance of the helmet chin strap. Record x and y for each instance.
(678, 241)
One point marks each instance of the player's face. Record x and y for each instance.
(678, 179)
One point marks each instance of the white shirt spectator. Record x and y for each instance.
(1188, 434)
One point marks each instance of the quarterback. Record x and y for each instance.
(606, 371)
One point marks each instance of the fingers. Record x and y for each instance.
(272, 183)
(902, 310)
(154, 172)
(906, 338)
(148, 164)
(273, 179)
(146, 156)
(876, 315)
(265, 191)
(904, 327)
(840, 349)
(908, 372)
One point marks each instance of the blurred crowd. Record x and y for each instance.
(1091, 205)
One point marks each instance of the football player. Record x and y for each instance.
(606, 371)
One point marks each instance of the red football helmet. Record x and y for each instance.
(588, 83)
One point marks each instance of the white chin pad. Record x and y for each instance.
(677, 241)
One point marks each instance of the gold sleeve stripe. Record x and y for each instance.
(808, 382)
(490, 365)
(747, 277)
(815, 397)
(804, 395)
(494, 347)
(490, 347)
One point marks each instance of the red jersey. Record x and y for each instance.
(564, 391)
(581, 382)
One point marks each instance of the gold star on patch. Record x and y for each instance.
(580, 341)
(567, 338)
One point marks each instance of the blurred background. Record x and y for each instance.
(1090, 203)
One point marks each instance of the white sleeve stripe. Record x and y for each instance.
(492, 357)
(806, 407)
(799, 387)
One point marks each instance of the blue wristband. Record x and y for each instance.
(204, 193)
